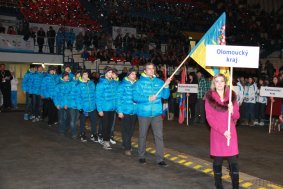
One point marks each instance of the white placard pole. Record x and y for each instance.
(230, 102)
(270, 117)
(173, 73)
(187, 111)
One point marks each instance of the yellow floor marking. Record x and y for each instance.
(197, 166)
(182, 161)
(167, 155)
(148, 149)
(262, 188)
(188, 163)
(247, 184)
(226, 177)
(152, 151)
(274, 186)
(207, 170)
(182, 156)
(174, 158)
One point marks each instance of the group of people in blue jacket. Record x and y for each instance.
(68, 98)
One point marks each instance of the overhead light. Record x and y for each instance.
(48, 64)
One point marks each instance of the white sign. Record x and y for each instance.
(16, 43)
(271, 92)
(232, 56)
(187, 88)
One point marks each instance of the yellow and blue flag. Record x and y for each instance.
(214, 36)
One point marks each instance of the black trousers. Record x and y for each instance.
(128, 126)
(44, 108)
(52, 112)
(107, 122)
(192, 110)
(6, 92)
(51, 43)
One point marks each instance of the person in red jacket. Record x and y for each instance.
(216, 107)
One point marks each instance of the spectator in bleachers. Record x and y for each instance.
(79, 41)
(60, 40)
(11, 30)
(118, 41)
(71, 37)
(85, 54)
(51, 34)
(2, 28)
(40, 39)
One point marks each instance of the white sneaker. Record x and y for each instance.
(100, 140)
(112, 141)
(261, 123)
(36, 120)
(256, 123)
(106, 145)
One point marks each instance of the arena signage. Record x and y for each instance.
(271, 92)
(187, 88)
(232, 56)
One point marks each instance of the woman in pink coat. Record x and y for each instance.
(216, 107)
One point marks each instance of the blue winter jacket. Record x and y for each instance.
(125, 101)
(27, 81)
(62, 93)
(106, 93)
(35, 87)
(73, 96)
(143, 89)
(86, 96)
(48, 84)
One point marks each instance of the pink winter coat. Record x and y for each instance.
(217, 117)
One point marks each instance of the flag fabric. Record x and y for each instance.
(164, 109)
(214, 36)
(182, 99)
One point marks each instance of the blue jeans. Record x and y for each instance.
(29, 106)
(14, 99)
(93, 117)
(73, 120)
(249, 113)
(63, 117)
(260, 111)
(37, 105)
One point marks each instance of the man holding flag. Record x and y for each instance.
(149, 111)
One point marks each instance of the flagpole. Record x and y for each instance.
(173, 73)
(165, 76)
(187, 111)
(230, 102)
(270, 117)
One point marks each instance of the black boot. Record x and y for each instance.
(217, 169)
(234, 173)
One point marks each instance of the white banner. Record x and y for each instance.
(15, 43)
(123, 30)
(271, 92)
(232, 56)
(187, 88)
